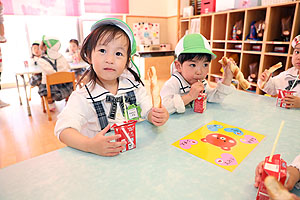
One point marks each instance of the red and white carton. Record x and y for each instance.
(281, 96)
(127, 131)
(277, 168)
(200, 103)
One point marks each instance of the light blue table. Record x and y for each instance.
(156, 169)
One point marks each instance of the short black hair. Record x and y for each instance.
(190, 56)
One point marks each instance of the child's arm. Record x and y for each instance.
(100, 144)
(158, 116)
(294, 177)
(193, 94)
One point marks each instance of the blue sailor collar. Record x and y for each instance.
(184, 86)
(99, 93)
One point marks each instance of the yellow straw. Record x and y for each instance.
(276, 140)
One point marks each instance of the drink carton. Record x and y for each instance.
(200, 103)
(281, 96)
(277, 168)
(127, 132)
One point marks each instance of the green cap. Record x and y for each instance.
(53, 45)
(193, 43)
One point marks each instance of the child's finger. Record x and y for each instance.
(103, 132)
(111, 154)
(116, 144)
(112, 137)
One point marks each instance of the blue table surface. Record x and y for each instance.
(156, 169)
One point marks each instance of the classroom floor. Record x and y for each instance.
(23, 137)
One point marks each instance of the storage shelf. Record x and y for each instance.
(252, 52)
(218, 29)
(275, 54)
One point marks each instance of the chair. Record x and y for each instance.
(53, 79)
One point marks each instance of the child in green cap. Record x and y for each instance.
(188, 81)
(51, 62)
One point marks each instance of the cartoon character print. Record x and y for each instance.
(187, 144)
(214, 127)
(220, 140)
(226, 160)
(249, 139)
(234, 130)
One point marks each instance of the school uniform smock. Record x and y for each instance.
(61, 64)
(177, 86)
(81, 114)
(282, 81)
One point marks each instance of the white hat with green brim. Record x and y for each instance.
(193, 43)
(53, 45)
(296, 41)
(122, 25)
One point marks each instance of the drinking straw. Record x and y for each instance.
(295, 82)
(276, 140)
(126, 134)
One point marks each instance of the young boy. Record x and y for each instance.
(286, 79)
(193, 59)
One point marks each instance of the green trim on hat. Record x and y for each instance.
(49, 42)
(122, 25)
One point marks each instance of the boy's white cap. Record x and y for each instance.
(53, 45)
(122, 25)
(296, 41)
(193, 43)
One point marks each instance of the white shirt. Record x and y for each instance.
(61, 64)
(281, 82)
(177, 86)
(81, 115)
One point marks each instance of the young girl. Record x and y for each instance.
(286, 79)
(73, 52)
(50, 62)
(91, 110)
(73, 56)
(35, 79)
(36, 53)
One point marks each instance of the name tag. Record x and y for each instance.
(134, 112)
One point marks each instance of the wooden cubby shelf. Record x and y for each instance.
(271, 49)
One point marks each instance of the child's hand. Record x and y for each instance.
(196, 89)
(292, 101)
(159, 116)
(102, 145)
(258, 173)
(295, 197)
(293, 178)
(265, 76)
(228, 75)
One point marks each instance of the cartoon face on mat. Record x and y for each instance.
(220, 140)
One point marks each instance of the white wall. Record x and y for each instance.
(172, 8)
(160, 8)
